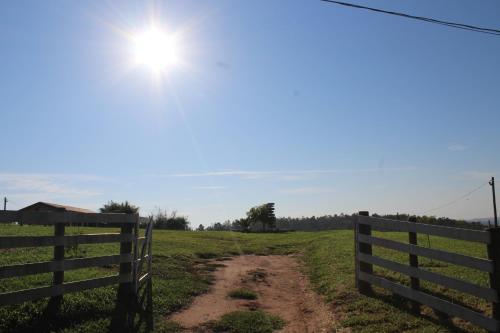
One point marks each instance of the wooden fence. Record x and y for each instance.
(145, 255)
(364, 260)
(128, 258)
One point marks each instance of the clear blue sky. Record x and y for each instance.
(319, 108)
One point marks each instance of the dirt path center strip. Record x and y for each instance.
(281, 288)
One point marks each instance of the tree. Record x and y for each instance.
(263, 214)
(243, 224)
(172, 221)
(218, 227)
(115, 207)
(201, 228)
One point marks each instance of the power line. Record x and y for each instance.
(456, 200)
(468, 27)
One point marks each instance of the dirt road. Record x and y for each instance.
(282, 290)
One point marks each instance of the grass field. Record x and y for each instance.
(181, 271)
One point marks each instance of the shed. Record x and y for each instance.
(52, 207)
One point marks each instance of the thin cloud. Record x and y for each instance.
(47, 185)
(284, 174)
(308, 190)
(457, 147)
(209, 187)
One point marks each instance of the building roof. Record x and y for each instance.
(54, 206)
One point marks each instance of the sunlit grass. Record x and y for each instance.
(248, 322)
(242, 293)
(330, 264)
(181, 271)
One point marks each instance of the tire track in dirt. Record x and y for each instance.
(282, 290)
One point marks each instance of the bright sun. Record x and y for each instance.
(156, 49)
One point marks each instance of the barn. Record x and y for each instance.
(52, 207)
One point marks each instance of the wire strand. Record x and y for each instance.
(455, 200)
(468, 27)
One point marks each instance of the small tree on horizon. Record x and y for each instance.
(263, 214)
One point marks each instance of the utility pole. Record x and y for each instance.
(492, 183)
(4, 203)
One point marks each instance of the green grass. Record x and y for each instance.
(181, 271)
(242, 293)
(248, 322)
(329, 263)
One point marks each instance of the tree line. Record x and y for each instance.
(262, 218)
(342, 221)
(313, 223)
(444, 221)
(161, 219)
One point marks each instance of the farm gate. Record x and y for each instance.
(134, 251)
(365, 260)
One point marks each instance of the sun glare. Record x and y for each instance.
(156, 49)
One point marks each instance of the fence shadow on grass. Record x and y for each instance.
(405, 305)
(126, 316)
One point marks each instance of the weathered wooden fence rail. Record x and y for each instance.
(128, 259)
(364, 260)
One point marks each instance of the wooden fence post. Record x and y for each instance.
(363, 286)
(150, 250)
(494, 255)
(126, 268)
(135, 257)
(356, 262)
(150, 280)
(125, 304)
(58, 276)
(414, 281)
